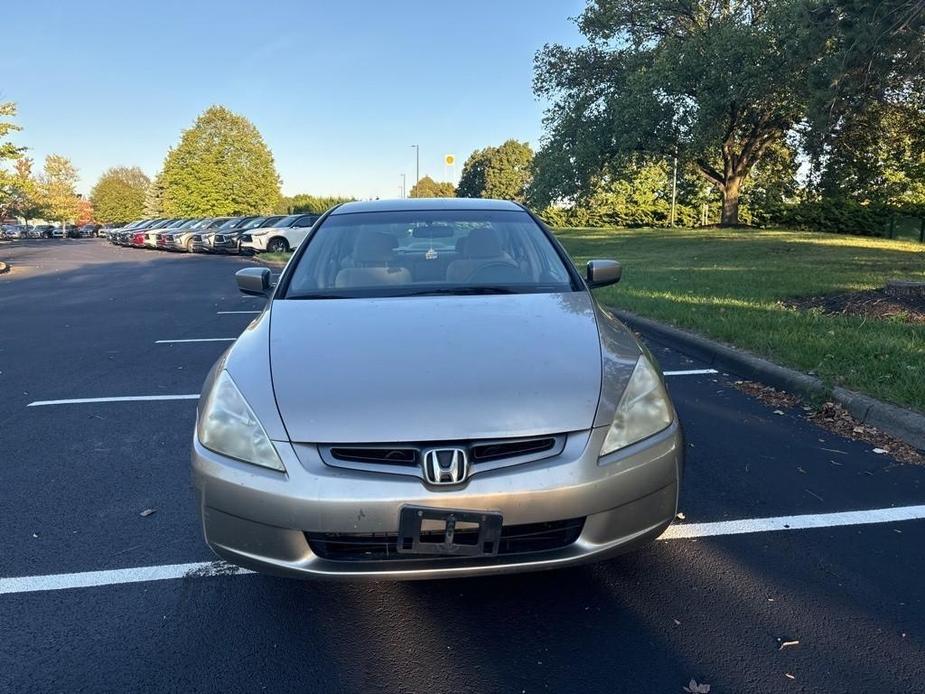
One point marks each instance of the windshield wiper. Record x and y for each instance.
(318, 296)
(463, 291)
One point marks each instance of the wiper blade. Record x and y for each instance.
(463, 291)
(318, 296)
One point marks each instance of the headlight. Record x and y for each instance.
(260, 232)
(228, 425)
(643, 409)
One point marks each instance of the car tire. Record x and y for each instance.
(277, 246)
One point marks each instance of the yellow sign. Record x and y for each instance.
(449, 159)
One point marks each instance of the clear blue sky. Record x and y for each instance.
(339, 90)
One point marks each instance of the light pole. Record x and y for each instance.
(417, 163)
(403, 185)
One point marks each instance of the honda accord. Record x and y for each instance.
(432, 390)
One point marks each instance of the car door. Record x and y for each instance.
(299, 230)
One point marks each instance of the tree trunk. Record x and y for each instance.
(730, 191)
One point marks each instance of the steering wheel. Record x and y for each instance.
(484, 272)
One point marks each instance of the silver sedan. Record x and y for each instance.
(433, 391)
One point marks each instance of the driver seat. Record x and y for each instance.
(481, 248)
(373, 253)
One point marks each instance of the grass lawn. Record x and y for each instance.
(726, 284)
(275, 257)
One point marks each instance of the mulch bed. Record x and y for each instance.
(875, 303)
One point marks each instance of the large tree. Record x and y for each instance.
(715, 83)
(59, 191)
(25, 197)
(221, 166)
(154, 197)
(501, 172)
(119, 194)
(429, 188)
(8, 152)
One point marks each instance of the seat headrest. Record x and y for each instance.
(373, 247)
(483, 243)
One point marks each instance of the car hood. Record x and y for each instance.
(435, 368)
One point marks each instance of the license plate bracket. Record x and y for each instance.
(449, 542)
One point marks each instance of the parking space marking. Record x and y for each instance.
(690, 372)
(227, 313)
(197, 339)
(127, 398)
(803, 522)
(139, 574)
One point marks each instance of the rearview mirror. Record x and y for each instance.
(600, 273)
(254, 281)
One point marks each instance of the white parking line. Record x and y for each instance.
(127, 398)
(197, 339)
(690, 372)
(228, 313)
(87, 579)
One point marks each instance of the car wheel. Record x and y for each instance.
(278, 246)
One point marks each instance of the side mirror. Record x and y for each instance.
(600, 273)
(254, 281)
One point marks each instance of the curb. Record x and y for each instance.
(902, 423)
(4, 267)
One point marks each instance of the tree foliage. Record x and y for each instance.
(305, 203)
(874, 55)
(501, 173)
(714, 82)
(8, 152)
(23, 194)
(154, 197)
(429, 188)
(221, 166)
(119, 194)
(58, 185)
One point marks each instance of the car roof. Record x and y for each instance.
(405, 204)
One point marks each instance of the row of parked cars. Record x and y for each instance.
(237, 235)
(48, 231)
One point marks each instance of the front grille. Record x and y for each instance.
(515, 539)
(405, 458)
(505, 449)
(390, 456)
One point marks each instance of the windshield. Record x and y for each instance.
(411, 253)
(287, 221)
(231, 223)
(251, 224)
(270, 222)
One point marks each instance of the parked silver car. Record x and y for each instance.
(432, 391)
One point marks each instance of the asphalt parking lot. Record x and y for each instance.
(789, 533)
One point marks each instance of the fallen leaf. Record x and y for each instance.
(694, 688)
(789, 676)
(880, 451)
(680, 516)
(147, 512)
(780, 412)
(787, 644)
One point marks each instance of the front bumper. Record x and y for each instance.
(260, 518)
(254, 243)
(225, 246)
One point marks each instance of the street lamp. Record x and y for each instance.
(417, 163)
